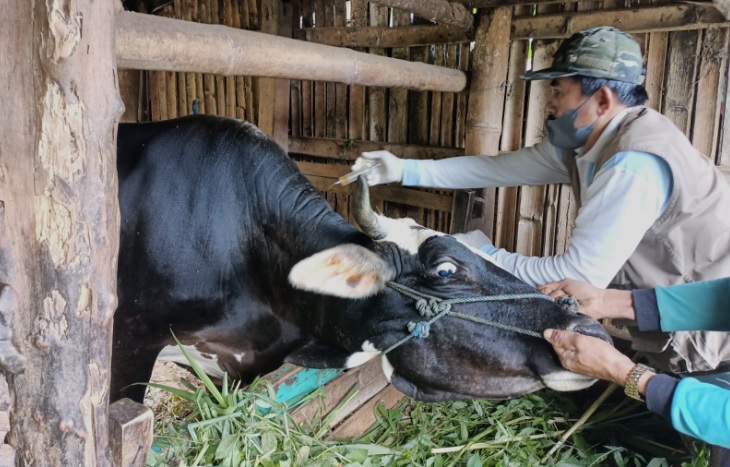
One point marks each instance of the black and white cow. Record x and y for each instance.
(225, 243)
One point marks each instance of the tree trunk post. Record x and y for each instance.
(59, 222)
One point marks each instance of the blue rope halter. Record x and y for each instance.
(435, 308)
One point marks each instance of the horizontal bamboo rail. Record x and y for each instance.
(147, 42)
(635, 20)
(348, 150)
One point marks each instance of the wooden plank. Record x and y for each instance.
(656, 60)
(679, 92)
(462, 99)
(239, 90)
(385, 37)
(708, 105)
(349, 149)
(130, 433)
(461, 210)
(364, 417)
(673, 17)
(367, 380)
(398, 98)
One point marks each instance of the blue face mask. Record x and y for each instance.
(562, 132)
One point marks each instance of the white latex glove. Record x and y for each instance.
(476, 239)
(389, 171)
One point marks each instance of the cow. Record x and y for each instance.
(226, 244)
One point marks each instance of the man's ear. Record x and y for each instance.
(606, 100)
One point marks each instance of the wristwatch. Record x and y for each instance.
(632, 381)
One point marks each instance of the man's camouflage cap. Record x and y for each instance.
(602, 52)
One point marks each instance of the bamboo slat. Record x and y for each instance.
(530, 224)
(398, 98)
(377, 124)
(356, 121)
(434, 132)
(438, 11)
(656, 57)
(713, 64)
(507, 197)
(418, 105)
(681, 76)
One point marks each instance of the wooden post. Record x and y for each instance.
(130, 432)
(486, 98)
(155, 43)
(59, 224)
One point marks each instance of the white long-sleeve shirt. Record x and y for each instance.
(620, 202)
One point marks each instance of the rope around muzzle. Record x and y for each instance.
(435, 308)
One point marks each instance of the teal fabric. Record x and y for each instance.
(702, 410)
(697, 306)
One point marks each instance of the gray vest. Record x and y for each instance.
(691, 241)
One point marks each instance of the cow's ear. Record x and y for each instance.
(347, 271)
(318, 354)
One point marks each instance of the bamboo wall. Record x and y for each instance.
(330, 124)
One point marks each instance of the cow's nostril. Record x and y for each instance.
(593, 330)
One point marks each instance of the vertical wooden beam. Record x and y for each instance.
(486, 98)
(267, 86)
(356, 121)
(59, 224)
(376, 95)
(130, 432)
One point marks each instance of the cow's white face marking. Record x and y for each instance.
(402, 233)
(358, 358)
(567, 381)
(387, 367)
(239, 356)
(208, 362)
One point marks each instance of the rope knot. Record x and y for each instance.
(431, 307)
(569, 304)
(420, 329)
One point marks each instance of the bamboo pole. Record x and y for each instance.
(182, 46)
(403, 36)
(349, 149)
(438, 11)
(486, 99)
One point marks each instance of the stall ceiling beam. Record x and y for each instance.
(636, 20)
(147, 42)
(438, 11)
(383, 37)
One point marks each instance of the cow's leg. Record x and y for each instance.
(133, 357)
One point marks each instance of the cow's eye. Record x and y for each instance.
(445, 269)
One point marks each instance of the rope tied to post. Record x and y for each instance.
(434, 308)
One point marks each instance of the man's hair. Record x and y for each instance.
(628, 94)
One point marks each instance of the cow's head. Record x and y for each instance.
(461, 358)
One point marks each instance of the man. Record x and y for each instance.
(652, 209)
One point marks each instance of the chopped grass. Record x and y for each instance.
(235, 427)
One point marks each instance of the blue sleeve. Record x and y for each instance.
(697, 306)
(698, 409)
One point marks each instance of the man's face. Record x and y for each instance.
(566, 95)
